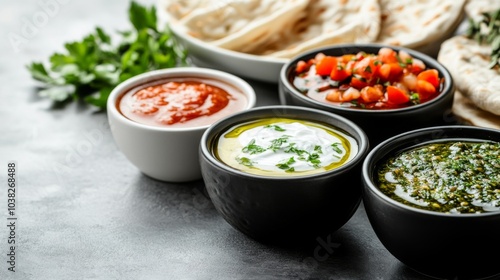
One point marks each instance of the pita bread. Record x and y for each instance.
(177, 9)
(468, 112)
(415, 24)
(237, 23)
(468, 63)
(322, 23)
(474, 8)
(285, 28)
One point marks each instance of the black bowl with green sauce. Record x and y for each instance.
(432, 196)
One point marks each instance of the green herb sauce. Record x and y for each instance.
(453, 177)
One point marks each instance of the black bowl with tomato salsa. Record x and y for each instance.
(454, 235)
(386, 90)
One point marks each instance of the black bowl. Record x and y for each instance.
(377, 124)
(283, 209)
(451, 246)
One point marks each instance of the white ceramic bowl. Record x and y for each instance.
(260, 68)
(161, 152)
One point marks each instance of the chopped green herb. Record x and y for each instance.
(317, 149)
(251, 148)
(487, 31)
(276, 127)
(314, 159)
(89, 69)
(244, 161)
(335, 147)
(278, 142)
(368, 69)
(286, 165)
(415, 98)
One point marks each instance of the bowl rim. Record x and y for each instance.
(153, 75)
(369, 185)
(449, 85)
(226, 123)
(177, 30)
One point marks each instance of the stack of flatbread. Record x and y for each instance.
(285, 28)
(477, 99)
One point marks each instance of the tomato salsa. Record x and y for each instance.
(181, 102)
(386, 80)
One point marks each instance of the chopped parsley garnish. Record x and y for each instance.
(276, 127)
(487, 31)
(415, 98)
(317, 149)
(278, 142)
(336, 148)
(244, 161)
(286, 165)
(251, 148)
(88, 69)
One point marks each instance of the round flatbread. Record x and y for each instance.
(322, 23)
(421, 25)
(235, 24)
(475, 8)
(469, 113)
(468, 63)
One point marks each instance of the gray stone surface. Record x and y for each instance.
(84, 212)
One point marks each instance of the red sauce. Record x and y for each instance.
(181, 102)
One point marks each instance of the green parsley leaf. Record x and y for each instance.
(90, 68)
(244, 161)
(286, 165)
(278, 142)
(317, 149)
(336, 148)
(251, 148)
(276, 127)
(487, 31)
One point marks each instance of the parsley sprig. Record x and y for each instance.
(89, 69)
(487, 30)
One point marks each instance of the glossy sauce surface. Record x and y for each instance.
(181, 102)
(453, 177)
(285, 147)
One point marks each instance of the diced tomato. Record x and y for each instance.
(431, 76)
(367, 67)
(389, 71)
(425, 89)
(371, 94)
(384, 71)
(340, 73)
(417, 66)
(396, 69)
(397, 95)
(301, 67)
(324, 66)
(358, 83)
(388, 55)
(347, 57)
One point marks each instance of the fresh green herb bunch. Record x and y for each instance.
(487, 30)
(92, 67)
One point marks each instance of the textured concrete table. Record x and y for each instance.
(84, 212)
